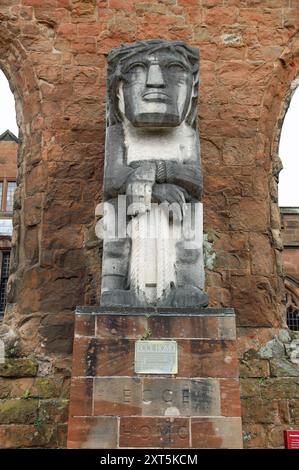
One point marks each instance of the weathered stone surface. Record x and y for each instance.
(117, 396)
(254, 368)
(207, 359)
(57, 65)
(58, 331)
(103, 357)
(18, 367)
(283, 368)
(250, 388)
(256, 410)
(19, 436)
(24, 411)
(280, 387)
(221, 433)
(179, 397)
(276, 436)
(85, 325)
(230, 397)
(154, 410)
(39, 387)
(93, 433)
(254, 436)
(294, 410)
(54, 411)
(261, 254)
(273, 348)
(157, 432)
(263, 296)
(81, 387)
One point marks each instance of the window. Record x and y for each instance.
(7, 189)
(4, 279)
(293, 318)
(11, 186)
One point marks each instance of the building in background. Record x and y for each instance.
(8, 172)
(290, 238)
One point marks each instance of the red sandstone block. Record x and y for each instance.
(186, 3)
(68, 30)
(115, 357)
(212, 3)
(163, 396)
(84, 357)
(163, 327)
(204, 358)
(92, 433)
(86, 46)
(218, 433)
(269, 3)
(220, 16)
(117, 396)
(227, 328)
(230, 397)
(103, 357)
(63, 3)
(81, 396)
(154, 432)
(183, 327)
(265, 18)
(40, 3)
(110, 326)
(89, 29)
(17, 436)
(125, 5)
(85, 325)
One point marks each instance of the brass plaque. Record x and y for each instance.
(156, 357)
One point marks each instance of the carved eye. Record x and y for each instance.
(137, 67)
(176, 67)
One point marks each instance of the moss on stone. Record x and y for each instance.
(283, 368)
(45, 388)
(18, 367)
(22, 411)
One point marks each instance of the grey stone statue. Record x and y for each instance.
(152, 162)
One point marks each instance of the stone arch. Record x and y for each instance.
(275, 104)
(20, 73)
(58, 150)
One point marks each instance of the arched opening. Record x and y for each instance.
(288, 189)
(20, 73)
(289, 206)
(8, 177)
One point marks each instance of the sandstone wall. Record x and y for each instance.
(290, 238)
(54, 55)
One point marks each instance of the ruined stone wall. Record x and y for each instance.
(290, 238)
(54, 55)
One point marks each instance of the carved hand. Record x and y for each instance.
(186, 175)
(172, 194)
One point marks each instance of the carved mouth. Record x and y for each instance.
(155, 96)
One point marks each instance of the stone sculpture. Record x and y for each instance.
(152, 159)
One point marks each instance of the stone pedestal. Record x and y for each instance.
(113, 407)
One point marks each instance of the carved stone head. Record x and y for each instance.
(153, 83)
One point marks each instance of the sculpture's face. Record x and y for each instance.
(156, 89)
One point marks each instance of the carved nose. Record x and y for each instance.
(155, 77)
